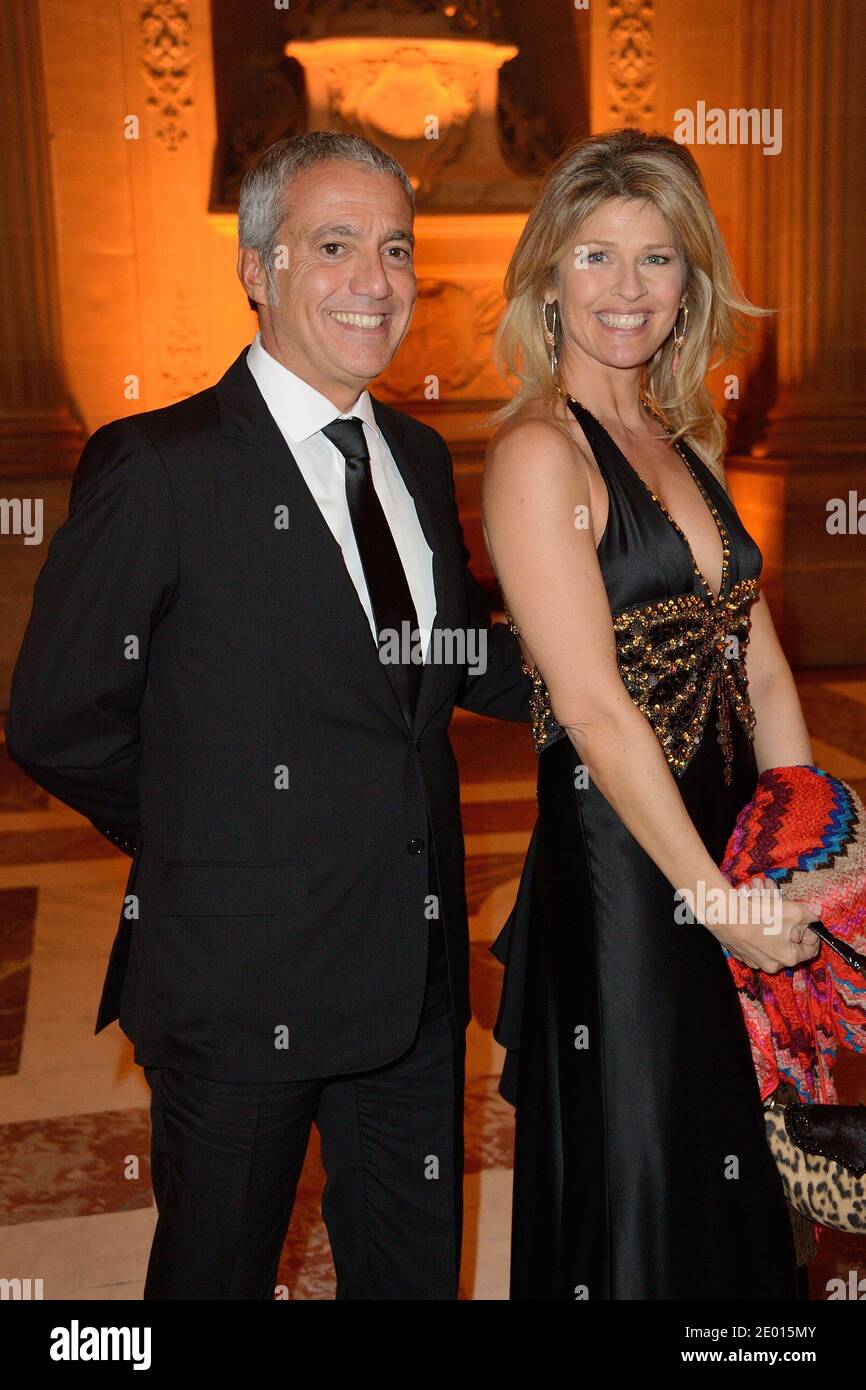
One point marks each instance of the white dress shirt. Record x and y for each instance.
(301, 413)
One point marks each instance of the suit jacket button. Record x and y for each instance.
(415, 846)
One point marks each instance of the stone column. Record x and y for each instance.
(796, 227)
(807, 244)
(38, 434)
(820, 234)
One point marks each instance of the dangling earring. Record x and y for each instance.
(678, 337)
(550, 332)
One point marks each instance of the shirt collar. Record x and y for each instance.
(298, 408)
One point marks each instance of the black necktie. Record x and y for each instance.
(387, 585)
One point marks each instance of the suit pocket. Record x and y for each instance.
(231, 890)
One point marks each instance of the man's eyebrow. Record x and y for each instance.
(339, 229)
(333, 227)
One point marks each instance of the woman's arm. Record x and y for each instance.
(536, 483)
(781, 736)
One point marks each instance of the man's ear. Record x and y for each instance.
(251, 274)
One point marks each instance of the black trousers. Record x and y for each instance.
(226, 1158)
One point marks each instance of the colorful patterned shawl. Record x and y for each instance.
(806, 831)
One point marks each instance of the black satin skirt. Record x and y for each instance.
(641, 1166)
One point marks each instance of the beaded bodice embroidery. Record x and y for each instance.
(675, 654)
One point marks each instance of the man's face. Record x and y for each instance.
(344, 278)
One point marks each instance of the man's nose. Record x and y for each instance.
(370, 277)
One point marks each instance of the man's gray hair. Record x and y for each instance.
(262, 203)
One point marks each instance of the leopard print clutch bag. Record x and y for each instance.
(820, 1151)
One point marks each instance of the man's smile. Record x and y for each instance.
(366, 322)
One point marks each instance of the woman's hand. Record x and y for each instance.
(768, 932)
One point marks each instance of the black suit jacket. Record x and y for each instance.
(202, 683)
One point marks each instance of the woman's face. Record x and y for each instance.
(619, 285)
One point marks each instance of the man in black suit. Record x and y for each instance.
(215, 674)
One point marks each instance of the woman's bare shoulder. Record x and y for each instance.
(532, 435)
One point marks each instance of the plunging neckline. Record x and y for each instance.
(715, 598)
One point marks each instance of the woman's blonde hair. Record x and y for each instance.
(629, 164)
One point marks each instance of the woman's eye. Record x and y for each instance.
(655, 256)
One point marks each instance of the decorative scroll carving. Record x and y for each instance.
(166, 57)
(431, 103)
(394, 98)
(631, 62)
(184, 371)
(451, 339)
(418, 77)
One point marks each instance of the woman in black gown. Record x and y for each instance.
(642, 1169)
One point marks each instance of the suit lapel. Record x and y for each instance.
(245, 416)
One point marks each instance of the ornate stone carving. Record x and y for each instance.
(451, 340)
(427, 89)
(393, 98)
(166, 57)
(430, 103)
(183, 372)
(631, 62)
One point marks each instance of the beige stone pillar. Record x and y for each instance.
(38, 434)
(795, 223)
(807, 252)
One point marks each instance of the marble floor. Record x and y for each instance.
(76, 1209)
